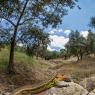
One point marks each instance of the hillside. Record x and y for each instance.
(28, 70)
(32, 71)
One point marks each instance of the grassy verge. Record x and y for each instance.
(79, 70)
(19, 57)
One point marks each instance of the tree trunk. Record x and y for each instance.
(37, 55)
(10, 68)
(81, 56)
(78, 58)
(11, 59)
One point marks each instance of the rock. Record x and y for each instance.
(62, 84)
(88, 83)
(4, 93)
(91, 93)
(71, 89)
(7, 93)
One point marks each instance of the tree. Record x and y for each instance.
(63, 53)
(92, 22)
(91, 42)
(47, 55)
(22, 14)
(76, 45)
(51, 55)
(4, 36)
(36, 41)
(91, 36)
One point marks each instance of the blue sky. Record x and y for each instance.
(79, 19)
(75, 20)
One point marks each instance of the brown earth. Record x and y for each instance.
(38, 73)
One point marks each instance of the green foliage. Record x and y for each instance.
(35, 41)
(36, 11)
(63, 53)
(91, 42)
(29, 14)
(19, 57)
(92, 22)
(80, 46)
(51, 55)
(22, 15)
(47, 54)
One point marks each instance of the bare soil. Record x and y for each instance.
(34, 74)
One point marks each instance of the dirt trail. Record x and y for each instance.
(39, 73)
(75, 69)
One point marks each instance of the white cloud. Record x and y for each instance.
(20, 44)
(55, 30)
(50, 49)
(84, 33)
(67, 32)
(58, 41)
(60, 30)
(52, 31)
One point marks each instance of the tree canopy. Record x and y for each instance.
(92, 22)
(21, 15)
(79, 45)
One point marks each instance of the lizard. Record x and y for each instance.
(34, 90)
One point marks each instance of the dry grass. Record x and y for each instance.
(79, 70)
(30, 71)
(27, 70)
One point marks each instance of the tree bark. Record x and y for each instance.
(12, 47)
(78, 58)
(81, 56)
(11, 58)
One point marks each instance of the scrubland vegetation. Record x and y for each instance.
(24, 57)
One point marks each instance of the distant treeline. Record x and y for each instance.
(77, 45)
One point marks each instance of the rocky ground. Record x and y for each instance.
(81, 74)
(86, 87)
(72, 88)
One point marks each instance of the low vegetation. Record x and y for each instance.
(27, 68)
(24, 57)
(78, 70)
(19, 57)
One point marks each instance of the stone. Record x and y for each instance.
(88, 83)
(91, 93)
(71, 89)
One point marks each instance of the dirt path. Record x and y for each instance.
(76, 70)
